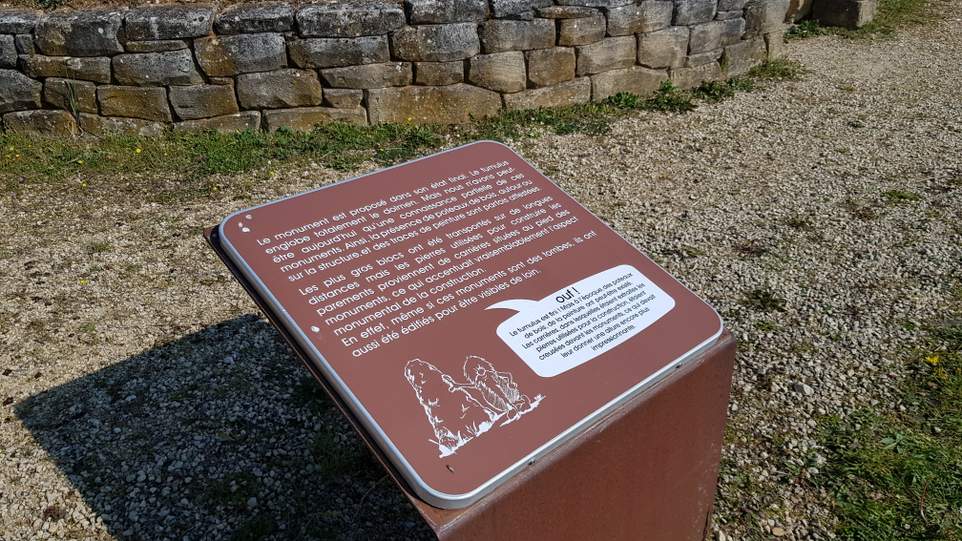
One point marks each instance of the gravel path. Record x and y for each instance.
(144, 398)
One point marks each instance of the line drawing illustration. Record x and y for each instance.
(460, 412)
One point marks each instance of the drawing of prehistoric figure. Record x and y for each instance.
(498, 389)
(459, 412)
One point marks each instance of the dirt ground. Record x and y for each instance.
(145, 398)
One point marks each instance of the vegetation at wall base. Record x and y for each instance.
(25, 159)
(891, 16)
(898, 474)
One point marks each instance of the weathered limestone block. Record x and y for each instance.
(452, 104)
(202, 101)
(845, 13)
(105, 125)
(663, 49)
(634, 80)
(350, 19)
(155, 46)
(607, 54)
(517, 9)
(17, 91)
(723, 15)
(692, 77)
(278, 89)
(763, 16)
(731, 5)
(501, 72)
(732, 30)
(46, 122)
(223, 56)
(343, 98)
(18, 21)
(336, 52)
(70, 95)
(548, 67)
(233, 123)
(255, 17)
(438, 73)
(436, 43)
(566, 93)
(648, 16)
(166, 68)
(445, 11)
(582, 30)
(306, 118)
(24, 43)
(168, 21)
(8, 52)
(85, 68)
(700, 59)
(148, 103)
(798, 10)
(509, 35)
(369, 75)
(596, 3)
(566, 12)
(689, 12)
(740, 57)
(705, 37)
(80, 33)
(775, 42)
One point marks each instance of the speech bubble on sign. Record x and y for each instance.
(583, 320)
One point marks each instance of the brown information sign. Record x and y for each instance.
(471, 313)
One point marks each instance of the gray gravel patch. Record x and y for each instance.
(144, 398)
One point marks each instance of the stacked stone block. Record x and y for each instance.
(267, 65)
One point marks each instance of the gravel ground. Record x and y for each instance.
(144, 398)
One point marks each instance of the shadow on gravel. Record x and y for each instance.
(221, 434)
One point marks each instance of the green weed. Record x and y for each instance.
(763, 300)
(780, 69)
(714, 91)
(896, 197)
(670, 99)
(806, 29)
(898, 474)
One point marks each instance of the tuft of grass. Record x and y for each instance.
(763, 300)
(806, 29)
(589, 118)
(670, 99)
(779, 69)
(858, 210)
(897, 197)
(99, 247)
(799, 222)
(714, 91)
(898, 474)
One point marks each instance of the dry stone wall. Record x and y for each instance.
(269, 65)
